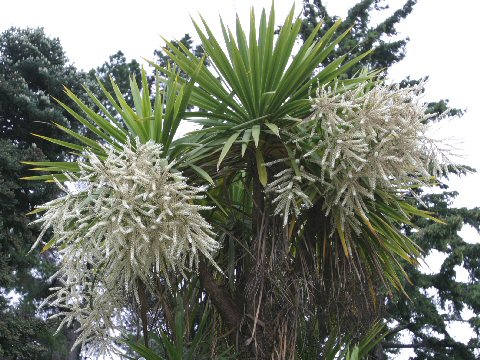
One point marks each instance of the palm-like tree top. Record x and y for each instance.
(309, 173)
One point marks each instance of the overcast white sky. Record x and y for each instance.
(443, 45)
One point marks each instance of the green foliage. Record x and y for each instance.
(363, 36)
(22, 334)
(156, 121)
(438, 299)
(256, 90)
(33, 69)
(15, 235)
(118, 69)
(186, 42)
(191, 337)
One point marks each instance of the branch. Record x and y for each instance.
(220, 297)
(142, 294)
(398, 329)
(391, 345)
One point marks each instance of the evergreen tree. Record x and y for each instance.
(33, 70)
(438, 300)
(117, 68)
(23, 335)
(362, 37)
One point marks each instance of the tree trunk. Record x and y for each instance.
(260, 315)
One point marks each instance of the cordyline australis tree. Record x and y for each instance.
(271, 227)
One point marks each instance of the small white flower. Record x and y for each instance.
(288, 194)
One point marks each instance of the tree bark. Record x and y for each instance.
(220, 298)
(142, 294)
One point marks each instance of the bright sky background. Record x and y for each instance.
(443, 45)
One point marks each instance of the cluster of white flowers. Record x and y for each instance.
(368, 137)
(372, 136)
(288, 194)
(131, 218)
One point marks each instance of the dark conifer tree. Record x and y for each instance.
(33, 71)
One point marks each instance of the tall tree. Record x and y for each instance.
(33, 70)
(304, 172)
(362, 37)
(120, 70)
(439, 300)
(23, 335)
(436, 300)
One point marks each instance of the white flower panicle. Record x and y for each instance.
(134, 219)
(288, 194)
(368, 137)
(373, 136)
